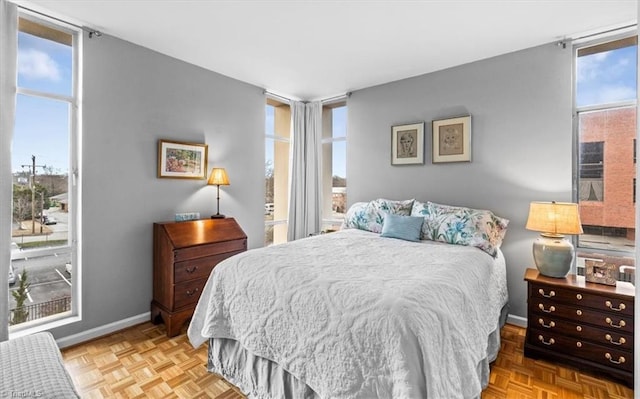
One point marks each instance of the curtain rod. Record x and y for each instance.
(621, 28)
(324, 100)
(270, 94)
(92, 32)
(336, 98)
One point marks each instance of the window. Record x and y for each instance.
(44, 234)
(277, 153)
(334, 171)
(277, 150)
(606, 75)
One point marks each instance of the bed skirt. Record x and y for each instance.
(261, 378)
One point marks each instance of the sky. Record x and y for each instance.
(42, 125)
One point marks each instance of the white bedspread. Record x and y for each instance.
(355, 315)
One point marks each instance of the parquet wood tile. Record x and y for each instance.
(141, 362)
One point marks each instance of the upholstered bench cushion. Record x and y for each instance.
(31, 366)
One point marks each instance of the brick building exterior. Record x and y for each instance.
(607, 171)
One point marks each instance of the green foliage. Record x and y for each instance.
(20, 313)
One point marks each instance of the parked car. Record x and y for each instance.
(12, 275)
(48, 220)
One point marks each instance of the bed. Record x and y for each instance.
(356, 314)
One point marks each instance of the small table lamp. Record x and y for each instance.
(218, 178)
(552, 253)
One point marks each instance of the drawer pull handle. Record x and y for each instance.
(579, 296)
(550, 325)
(618, 309)
(620, 360)
(619, 325)
(550, 342)
(551, 308)
(191, 269)
(550, 295)
(578, 328)
(609, 338)
(192, 292)
(579, 344)
(579, 312)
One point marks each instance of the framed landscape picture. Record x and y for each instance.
(407, 144)
(452, 140)
(179, 160)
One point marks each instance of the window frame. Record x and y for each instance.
(73, 246)
(595, 42)
(329, 221)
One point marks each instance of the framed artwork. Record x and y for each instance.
(452, 140)
(407, 144)
(179, 160)
(600, 272)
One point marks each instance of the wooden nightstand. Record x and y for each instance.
(585, 325)
(184, 254)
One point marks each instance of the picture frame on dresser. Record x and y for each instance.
(600, 273)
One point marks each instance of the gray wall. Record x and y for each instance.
(133, 97)
(521, 108)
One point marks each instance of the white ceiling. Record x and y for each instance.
(313, 49)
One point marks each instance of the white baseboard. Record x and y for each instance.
(102, 330)
(517, 320)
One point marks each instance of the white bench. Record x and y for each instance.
(32, 367)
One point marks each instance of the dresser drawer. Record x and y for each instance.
(582, 298)
(611, 321)
(199, 267)
(200, 251)
(618, 359)
(188, 293)
(601, 336)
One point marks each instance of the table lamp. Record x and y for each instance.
(218, 178)
(553, 253)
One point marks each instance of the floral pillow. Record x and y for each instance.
(462, 226)
(369, 216)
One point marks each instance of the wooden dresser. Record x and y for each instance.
(585, 325)
(184, 254)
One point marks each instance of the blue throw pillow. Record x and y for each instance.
(402, 227)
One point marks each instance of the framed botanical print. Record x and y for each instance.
(407, 144)
(452, 140)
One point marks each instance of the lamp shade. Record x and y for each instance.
(218, 177)
(554, 218)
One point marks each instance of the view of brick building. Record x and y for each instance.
(607, 172)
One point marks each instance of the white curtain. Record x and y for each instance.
(8, 81)
(305, 195)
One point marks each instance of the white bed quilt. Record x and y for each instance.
(356, 315)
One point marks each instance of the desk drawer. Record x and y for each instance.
(200, 251)
(199, 267)
(188, 293)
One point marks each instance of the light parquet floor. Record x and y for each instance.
(141, 362)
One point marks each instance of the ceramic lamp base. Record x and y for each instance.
(553, 255)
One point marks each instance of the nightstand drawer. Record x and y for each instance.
(611, 321)
(188, 293)
(199, 268)
(618, 359)
(580, 298)
(200, 251)
(604, 337)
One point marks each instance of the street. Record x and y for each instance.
(47, 276)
